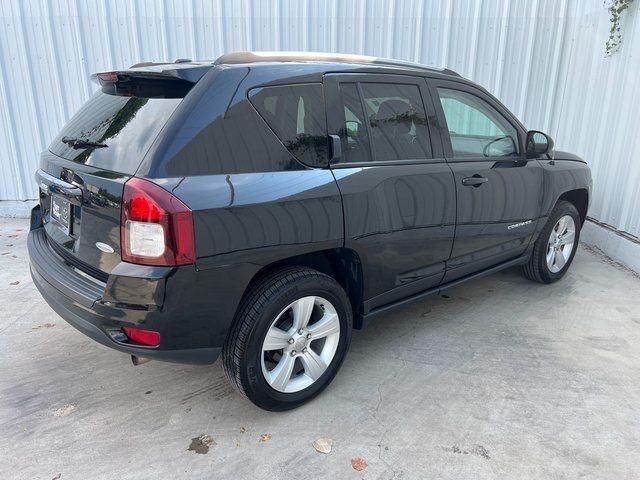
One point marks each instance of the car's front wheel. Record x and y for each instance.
(289, 338)
(556, 246)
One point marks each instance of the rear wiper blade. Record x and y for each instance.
(79, 143)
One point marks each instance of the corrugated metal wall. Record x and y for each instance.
(543, 58)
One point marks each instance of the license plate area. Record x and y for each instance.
(61, 213)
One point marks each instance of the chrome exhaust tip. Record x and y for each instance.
(139, 360)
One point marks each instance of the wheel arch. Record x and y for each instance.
(341, 264)
(579, 197)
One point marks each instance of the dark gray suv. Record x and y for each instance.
(263, 205)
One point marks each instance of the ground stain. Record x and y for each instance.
(44, 325)
(201, 444)
(65, 410)
(217, 391)
(609, 344)
(475, 449)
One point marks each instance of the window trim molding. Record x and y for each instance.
(389, 163)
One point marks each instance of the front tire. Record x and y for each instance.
(289, 338)
(556, 245)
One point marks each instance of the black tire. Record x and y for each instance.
(536, 268)
(260, 306)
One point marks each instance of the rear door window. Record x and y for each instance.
(383, 122)
(397, 121)
(354, 135)
(127, 125)
(296, 115)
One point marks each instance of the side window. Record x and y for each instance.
(296, 114)
(397, 121)
(354, 135)
(393, 127)
(475, 127)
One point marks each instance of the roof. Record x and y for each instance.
(302, 57)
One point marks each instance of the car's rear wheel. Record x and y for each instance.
(289, 338)
(556, 245)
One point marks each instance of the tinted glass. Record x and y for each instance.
(127, 125)
(220, 133)
(296, 114)
(397, 121)
(354, 136)
(475, 127)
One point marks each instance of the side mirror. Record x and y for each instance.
(538, 143)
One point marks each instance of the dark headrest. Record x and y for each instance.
(395, 113)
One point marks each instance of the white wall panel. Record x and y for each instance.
(543, 58)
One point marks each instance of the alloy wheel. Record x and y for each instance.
(561, 243)
(300, 344)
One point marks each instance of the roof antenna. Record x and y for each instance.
(182, 60)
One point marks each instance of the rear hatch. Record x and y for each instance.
(82, 176)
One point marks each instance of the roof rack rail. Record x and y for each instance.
(448, 71)
(257, 57)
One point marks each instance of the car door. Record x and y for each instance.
(499, 190)
(397, 189)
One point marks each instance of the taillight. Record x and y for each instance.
(150, 338)
(156, 228)
(108, 76)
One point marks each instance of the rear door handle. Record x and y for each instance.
(474, 181)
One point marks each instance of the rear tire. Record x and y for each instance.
(290, 335)
(556, 245)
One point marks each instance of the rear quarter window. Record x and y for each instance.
(127, 125)
(296, 115)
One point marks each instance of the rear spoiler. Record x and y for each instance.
(152, 80)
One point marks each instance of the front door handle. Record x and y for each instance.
(474, 181)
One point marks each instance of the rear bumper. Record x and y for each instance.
(79, 300)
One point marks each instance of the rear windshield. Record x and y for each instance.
(126, 125)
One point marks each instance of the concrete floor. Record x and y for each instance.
(503, 378)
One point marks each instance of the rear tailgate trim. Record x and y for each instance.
(55, 271)
(74, 262)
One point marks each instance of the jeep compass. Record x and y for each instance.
(261, 206)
